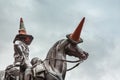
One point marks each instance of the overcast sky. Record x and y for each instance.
(50, 20)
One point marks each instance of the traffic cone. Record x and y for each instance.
(22, 29)
(75, 36)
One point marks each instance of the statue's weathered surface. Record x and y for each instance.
(54, 66)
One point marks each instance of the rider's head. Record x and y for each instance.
(23, 36)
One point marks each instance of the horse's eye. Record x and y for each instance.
(71, 48)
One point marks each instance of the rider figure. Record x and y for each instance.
(21, 50)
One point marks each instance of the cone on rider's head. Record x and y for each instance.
(22, 34)
(22, 29)
(75, 36)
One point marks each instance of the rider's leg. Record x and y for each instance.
(28, 74)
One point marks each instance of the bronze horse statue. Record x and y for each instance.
(54, 66)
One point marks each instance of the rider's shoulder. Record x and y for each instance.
(18, 42)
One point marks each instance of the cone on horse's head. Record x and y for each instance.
(22, 29)
(75, 36)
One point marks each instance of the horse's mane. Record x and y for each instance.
(57, 43)
(54, 47)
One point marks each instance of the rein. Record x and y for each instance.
(76, 61)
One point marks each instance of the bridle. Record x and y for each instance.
(76, 61)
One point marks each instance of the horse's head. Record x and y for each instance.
(74, 50)
(74, 38)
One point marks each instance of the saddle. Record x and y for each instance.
(39, 69)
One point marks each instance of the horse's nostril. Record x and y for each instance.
(83, 55)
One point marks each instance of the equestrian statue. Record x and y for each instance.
(54, 66)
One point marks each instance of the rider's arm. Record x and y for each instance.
(18, 47)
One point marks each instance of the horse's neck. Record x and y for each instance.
(54, 50)
(55, 53)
